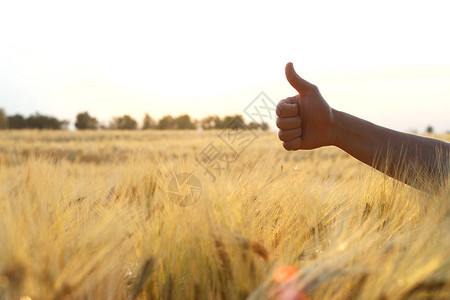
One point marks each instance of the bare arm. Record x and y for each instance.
(306, 121)
(418, 161)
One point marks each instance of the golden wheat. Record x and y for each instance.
(91, 215)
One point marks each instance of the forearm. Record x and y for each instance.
(418, 161)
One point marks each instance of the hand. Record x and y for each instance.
(305, 120)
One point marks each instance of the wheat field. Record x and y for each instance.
(93, 215)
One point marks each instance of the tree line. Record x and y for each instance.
(84, 121)
(35, 121)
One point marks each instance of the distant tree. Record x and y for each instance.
(211, 122)
(3, 119)
(264, 126)
(254, 125)
(123, 123)
(430, 129)
(38, 121)
(85, 121)
(219, 123)
(167, 122)
(236, 121)
(64, 124)
(148, 122)
(184, 122)
(17, 122)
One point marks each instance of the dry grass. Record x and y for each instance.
(88, 215)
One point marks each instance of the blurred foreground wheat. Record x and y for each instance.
(88, 215)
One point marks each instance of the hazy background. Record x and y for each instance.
(384, 61)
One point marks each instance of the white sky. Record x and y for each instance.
(386, 61)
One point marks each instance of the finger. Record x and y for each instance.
(295, 144)
(288, 123)
(289, 135)
(286, 109)
(296, 81)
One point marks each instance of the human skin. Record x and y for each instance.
(306, 121)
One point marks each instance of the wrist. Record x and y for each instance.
(336, 127)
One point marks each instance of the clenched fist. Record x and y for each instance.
(305, 120)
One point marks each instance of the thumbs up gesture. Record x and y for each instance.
(305, 120)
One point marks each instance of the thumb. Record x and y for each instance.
(296, 81)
